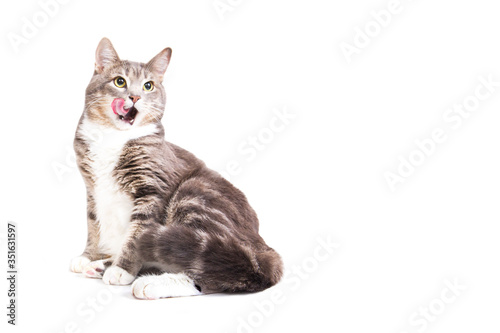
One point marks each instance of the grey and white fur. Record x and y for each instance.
(156, 215)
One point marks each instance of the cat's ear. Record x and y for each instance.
(105, 55)
(159, 63)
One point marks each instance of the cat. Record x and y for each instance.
(156, 215)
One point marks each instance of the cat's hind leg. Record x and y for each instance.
(164, 286)
(215, 261)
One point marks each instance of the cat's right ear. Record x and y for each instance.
(105, 55)
(160, 62)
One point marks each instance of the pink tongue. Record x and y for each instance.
(117, 106)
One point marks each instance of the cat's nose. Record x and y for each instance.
(134, 98)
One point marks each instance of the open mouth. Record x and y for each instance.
(129, 117)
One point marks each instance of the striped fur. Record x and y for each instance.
(154, 206)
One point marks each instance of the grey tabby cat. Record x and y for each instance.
(153, 207)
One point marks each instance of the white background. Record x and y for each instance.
(321, 177)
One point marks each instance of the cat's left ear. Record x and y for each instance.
(159, 63)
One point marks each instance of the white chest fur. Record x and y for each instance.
(113, 206)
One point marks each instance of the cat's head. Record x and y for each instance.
(124, 94)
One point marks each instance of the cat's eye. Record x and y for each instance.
(120, 82)
(148, 86)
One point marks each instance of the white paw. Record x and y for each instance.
(94, 269)
(163, 286)
(78, 263)
(117, 276)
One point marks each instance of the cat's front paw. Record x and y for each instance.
(95, 269)
(117, 276)
(78, 263)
